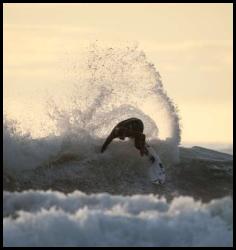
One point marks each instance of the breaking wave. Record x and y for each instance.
(52, 219)
(107, 85)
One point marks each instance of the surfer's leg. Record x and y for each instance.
(144, 151)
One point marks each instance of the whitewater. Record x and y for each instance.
(59, 190)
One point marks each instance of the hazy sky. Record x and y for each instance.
(190, 44)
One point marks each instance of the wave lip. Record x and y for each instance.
(38, 218)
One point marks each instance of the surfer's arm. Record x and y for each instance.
(107, 142)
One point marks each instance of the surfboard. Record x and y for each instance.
(156, 170)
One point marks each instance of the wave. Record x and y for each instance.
(107, 85)
(69, 165)
(37, 218)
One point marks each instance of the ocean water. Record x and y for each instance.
(220, 147)
(37, 218)
(59, 190)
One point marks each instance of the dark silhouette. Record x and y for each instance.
(131, 128)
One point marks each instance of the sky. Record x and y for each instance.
(191, 45)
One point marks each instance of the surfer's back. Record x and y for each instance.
(133, 124)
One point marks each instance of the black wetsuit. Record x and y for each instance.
(132, 128)
(134, 124)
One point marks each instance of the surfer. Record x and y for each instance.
(131, 128)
